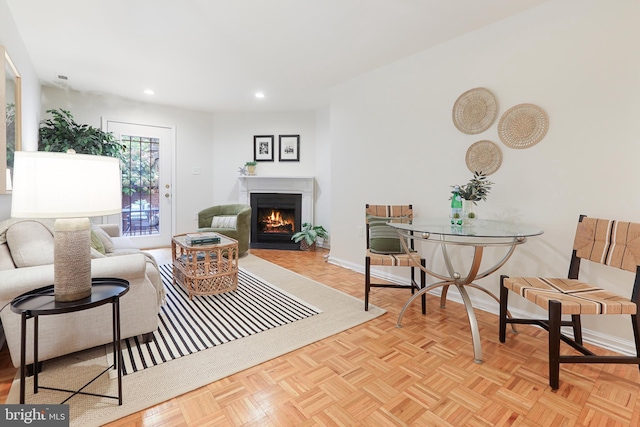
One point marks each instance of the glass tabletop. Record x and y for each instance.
(181, 239)
(479, 228)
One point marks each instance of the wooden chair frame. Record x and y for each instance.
(413, 285)
(554, 322)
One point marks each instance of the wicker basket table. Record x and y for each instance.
(208, 269)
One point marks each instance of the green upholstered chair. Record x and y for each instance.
(230, 220)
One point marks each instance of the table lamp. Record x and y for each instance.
(69, 187)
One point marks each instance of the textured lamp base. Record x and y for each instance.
(72, 259)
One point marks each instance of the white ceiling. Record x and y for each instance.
(213, 55)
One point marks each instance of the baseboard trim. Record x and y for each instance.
(482, 302)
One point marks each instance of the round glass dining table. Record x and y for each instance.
(478, 235)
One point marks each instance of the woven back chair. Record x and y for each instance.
(608, 242)
(384, 249)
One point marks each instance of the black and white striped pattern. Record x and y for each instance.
(188, 326)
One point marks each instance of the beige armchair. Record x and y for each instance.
(230, 220)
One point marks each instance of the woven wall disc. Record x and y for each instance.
(523, 126)
(475, 111)
(484, 156)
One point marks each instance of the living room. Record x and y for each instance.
(387, 136)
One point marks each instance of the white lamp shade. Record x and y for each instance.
(62, 185)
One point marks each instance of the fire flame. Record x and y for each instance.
(276, 223)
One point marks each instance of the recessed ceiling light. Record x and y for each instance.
(149, 92)
(259, 95)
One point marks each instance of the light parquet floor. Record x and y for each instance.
(420, 375)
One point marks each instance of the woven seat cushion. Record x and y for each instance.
(393, 260)
(576, 297)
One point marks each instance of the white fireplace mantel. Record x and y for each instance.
(304, 185)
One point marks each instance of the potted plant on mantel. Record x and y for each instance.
(476, 189)
(309, 235)
(61, 133)
(251, 167)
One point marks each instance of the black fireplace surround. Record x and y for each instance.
(275, 217)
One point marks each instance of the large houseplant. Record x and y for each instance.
(61, 133)
(309, 235)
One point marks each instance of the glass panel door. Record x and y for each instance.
(146, 182)
(140, 186)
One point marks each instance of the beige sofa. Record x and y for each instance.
(26, 263)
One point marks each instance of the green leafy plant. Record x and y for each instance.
(476, 189)
(251, 163)
(61, 133)
(11, 133)
(310, 233)
(141, 175)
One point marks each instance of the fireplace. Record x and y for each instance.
(275, 217)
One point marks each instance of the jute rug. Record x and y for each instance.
(159, 383)
(187, 326)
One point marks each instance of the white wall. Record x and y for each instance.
(11, 40)
(194, 140)
(233, 146)
(573, 58)
(323, 171)
(217, 144)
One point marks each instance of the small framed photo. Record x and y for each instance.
(263, 148)
(289, 148)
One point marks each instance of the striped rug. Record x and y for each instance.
(189, 326)
(166, 381)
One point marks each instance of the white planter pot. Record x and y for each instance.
(469, 214)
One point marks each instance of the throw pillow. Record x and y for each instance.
(30, 243)
(384, 239)
(96, 254)
(224, 221)
(96, 242)
(105, 238)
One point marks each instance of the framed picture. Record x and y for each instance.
(289, 148)
(263, 148)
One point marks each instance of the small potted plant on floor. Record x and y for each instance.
(309, 235)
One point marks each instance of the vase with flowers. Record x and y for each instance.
(475, 190)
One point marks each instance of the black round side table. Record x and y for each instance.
(41, 302)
